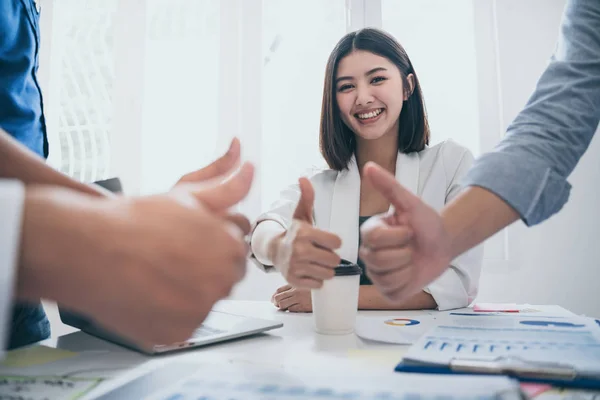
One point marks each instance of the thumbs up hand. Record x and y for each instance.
(407, 249)
(304, 254)
(304, 209)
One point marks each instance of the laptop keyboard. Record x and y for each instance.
(204, 331)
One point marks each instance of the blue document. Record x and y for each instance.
(564, 351)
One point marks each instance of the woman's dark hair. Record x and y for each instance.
(336, 140)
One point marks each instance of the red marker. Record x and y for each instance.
(496, 307)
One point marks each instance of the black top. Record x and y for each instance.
(364, 279)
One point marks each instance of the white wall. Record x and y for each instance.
(557, 261)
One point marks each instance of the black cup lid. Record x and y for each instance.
(347, 268)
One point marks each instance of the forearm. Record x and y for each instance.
(369, 298)
(16, 162)
(59, 229)
(475, 215)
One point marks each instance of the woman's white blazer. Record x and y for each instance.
(432, 174)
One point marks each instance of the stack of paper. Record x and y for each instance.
(560, 350)
(234, 383)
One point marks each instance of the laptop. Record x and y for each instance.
(217, 327)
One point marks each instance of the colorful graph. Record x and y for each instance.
(555, 324)
(402, 322)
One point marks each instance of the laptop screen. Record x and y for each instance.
(111, 184)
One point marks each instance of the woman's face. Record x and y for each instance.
(370, 94)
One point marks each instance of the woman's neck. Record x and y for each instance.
(382, 151)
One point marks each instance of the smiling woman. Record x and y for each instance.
(369, 79)
(372, 111)
(365, 111)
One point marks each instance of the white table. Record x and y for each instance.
(294, 347)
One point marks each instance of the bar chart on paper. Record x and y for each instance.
(569, 342)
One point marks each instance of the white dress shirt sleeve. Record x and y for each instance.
(261, 237)
(12, 198)
(270, 224)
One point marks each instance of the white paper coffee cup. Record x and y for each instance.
(335, 304)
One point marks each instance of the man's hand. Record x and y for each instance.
(304, 254)
(292, 299)
(147, 268)
(218, 169)
(406, 250)
(215, 173)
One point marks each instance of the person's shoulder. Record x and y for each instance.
(447, 150)
(321, 175)
(448, 154)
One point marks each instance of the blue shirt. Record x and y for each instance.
(21, 115)
(21, 106)
(529, 167)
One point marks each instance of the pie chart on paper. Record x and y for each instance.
(398, 330)
(402, 322)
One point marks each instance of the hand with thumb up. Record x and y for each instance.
(304, 254)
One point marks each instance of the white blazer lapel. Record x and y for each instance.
(345, 207)
(407, 172)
